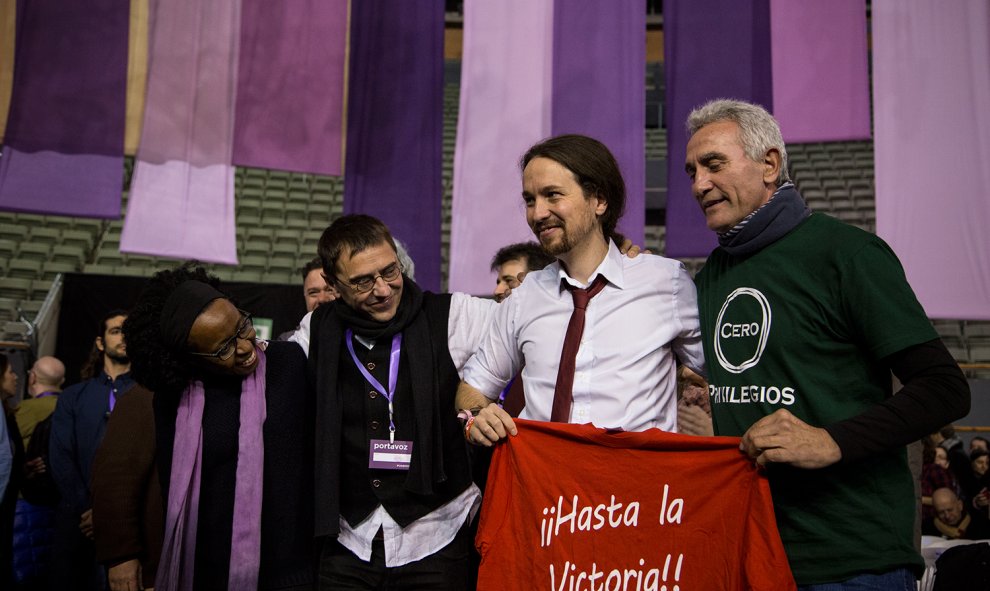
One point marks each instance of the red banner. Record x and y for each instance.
(576, 508)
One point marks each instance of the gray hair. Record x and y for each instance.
(758, 130)
(405, 260)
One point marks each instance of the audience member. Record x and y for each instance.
(78, 425)
(316, 291)
(617, 360)
(978, 443)
(44, 383)
(513, 262)
(953, 521)
(935, 474)
(127, 499)
(694, 411)
(402, 524)
(11, 460)
(234, 438)
(810, 393)
(35, 513)
(978, 491)
(947, 439)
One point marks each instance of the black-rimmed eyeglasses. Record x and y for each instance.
(226, 350)
(367, 283)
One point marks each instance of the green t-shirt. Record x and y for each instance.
(802, 325)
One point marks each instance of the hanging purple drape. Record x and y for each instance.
(290, 85)
(599, 78)
(504, 109)
(931, 89)
(182, 195)
(821, 81)
(712, 49)
(64, 142)
(395, 124)
(532, 70)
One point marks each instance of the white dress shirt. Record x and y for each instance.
(625, 371)
(468, 322)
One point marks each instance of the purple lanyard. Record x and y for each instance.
(113, 398)
(393, 375)
(505, 391)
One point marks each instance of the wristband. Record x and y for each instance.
(467, 428)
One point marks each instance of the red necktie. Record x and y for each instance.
(562, 396)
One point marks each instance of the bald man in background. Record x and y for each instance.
(45, 381)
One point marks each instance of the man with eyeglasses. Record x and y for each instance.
(394, 494)
(78, 425)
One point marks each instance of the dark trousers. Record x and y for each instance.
(73, 563)
(446, 570)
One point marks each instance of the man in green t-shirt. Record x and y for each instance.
(803, 319)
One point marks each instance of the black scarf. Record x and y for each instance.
(368, 328)
(770, 222)
(418, 352)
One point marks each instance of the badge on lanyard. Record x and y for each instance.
(390, 455)
(385, 454)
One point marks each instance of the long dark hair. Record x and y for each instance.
(94, 363)
(594, 169)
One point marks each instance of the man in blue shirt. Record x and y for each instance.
(78, 425)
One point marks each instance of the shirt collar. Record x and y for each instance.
(610, 268)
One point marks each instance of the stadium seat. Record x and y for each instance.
(15, 288)
(52, 268)
(36, 251)
(24, 268)
(12, 231)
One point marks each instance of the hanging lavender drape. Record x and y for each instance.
(290, 85)
(504, 109)
(599, 88)
(395, 124)
(531, 70)
(732, 62)
(182, 195)
(64, 141)
(821, 80)
(931, 89)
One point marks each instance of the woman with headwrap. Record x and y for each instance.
(234, 430)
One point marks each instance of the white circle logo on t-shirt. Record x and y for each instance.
(741, 329)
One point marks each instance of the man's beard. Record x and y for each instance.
(118, 358)
(558, 246)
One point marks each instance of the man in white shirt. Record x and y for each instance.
(642, 312)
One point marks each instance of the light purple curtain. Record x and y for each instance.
(504, 109)
(532, 70)
(290, 86)
(713, 49)
(821, 82)
(395, 124)
(599, 78)
(931, 91)
(182, 195)
(64, 142)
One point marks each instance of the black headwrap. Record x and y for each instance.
(182, 308)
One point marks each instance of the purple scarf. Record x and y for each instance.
(179, 549)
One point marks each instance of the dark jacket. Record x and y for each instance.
(127, 499)
(287, 555)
